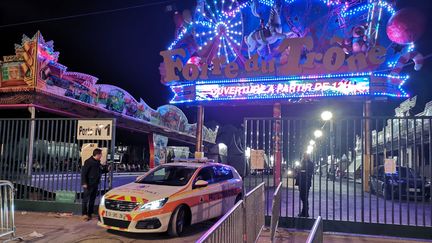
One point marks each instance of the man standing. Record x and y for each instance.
(304, 180)
(91, 174)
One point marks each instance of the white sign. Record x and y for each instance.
(94, 130)
(257, 159)
(390, 166)
(87, 152)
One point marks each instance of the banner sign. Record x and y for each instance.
(94, 130)
(158, 149)
(288, 89)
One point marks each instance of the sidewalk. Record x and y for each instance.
(64, 228)
(295, 236)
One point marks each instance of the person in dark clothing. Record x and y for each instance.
(91, 174)
(304, 182)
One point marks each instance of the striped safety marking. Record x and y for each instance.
(126, 198)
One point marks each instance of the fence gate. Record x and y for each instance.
(42, 157)
(366, 170)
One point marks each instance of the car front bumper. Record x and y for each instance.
(135, 223)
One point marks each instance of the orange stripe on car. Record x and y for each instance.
(169, 207)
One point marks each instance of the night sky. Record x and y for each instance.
(122, 48)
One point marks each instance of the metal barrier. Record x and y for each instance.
(7, 220)
(226, 228)
(276, 204)
(243, 223)
(316, 234)
(254, 212)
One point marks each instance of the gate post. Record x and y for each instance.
(113, 140)
(199, 133)
(277, 114)
(367, 162)
(32, 111)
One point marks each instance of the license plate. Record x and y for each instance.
(414, 190)
(115, 215)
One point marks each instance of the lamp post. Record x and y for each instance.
(318, 133)
(327, 116)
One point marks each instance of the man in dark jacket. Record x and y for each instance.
(91, 174)
(304, 180)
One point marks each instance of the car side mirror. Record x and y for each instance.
(200, 183)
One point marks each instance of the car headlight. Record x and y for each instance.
(154, 204)
(102, 201)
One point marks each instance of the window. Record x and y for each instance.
(169, 175)
(222, 173)
(206, 174)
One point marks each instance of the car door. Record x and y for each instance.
(201, 210)
(229, 187)
(216, 196)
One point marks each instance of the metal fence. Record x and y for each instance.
(243, 223)
(42, 157)
(7, 220)
(349, 180)
(276, 205)
(227, 228)
(254, 212)
(316, 234)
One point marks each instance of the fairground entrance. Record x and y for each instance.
(371, 171)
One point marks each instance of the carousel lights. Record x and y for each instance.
(179, 37)
(391, 64)
(327, 2)
(383, 4)
(411, 47)
(224, 30)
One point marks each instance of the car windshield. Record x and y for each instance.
(169, 176)
(402, 172)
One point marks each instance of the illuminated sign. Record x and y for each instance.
(333, 60)
(288, 89)
(222, 54)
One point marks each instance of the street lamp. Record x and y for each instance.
(318, 133)
(309, 149)
(326, 115)
(312, 142)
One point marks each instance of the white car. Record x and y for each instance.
(170, 197)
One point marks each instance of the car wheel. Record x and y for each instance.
(177, 222)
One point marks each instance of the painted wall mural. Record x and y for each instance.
(35, 67)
